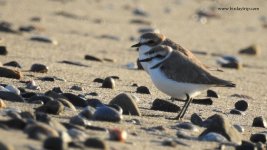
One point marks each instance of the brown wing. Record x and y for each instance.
(186, 52)
(180, 68)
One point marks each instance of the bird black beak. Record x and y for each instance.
(136, 45)
(145, 60)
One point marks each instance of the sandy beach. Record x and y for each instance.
(106, 30)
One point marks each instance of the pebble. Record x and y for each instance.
(44, 39)
(211, 93)
(9, 73)
(78, 120)
(236, 112)
(75, 63)
(57, 90)
(251, 50)
(128, 103)
(75, 100)
(246, 145)
(9, 96)
(105, 113)
(220, 124)
(93, 94)
(55, 143)
(108, 83)
(39, 68)
(28, 28)
(259, 137)
(187, 126)
(111, 37)
(92, 58)
(13, 64)
(140, 12)
(98, 80)
(142, 90)
(67, 104)
(76, 88)
(3, 50)
(230, 62)
(43, 98)
(40, 131)
(13, 89)
(259, 122)
(87, 112)
(50, 79)
(196, 119)
(27, 115)
(5, 146)
(94, 103)
(169, 142)
(140, 21)
(42, 117)
(77, 135)
(163, 105)
(32, 85)
(117, 135)
(184, 135)
(239, 128)
(7, 27)
(213, 136)
(241, 105)
(2, 104)
(14, 123)
(95, 143)
(52, 107)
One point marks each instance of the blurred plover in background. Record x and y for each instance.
(178, 75)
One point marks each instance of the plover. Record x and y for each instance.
(151, 39)
(179, 76)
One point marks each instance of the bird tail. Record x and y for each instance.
(224, 83)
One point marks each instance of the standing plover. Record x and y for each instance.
(178, 76)
(150, 39)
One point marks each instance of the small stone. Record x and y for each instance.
(111, 37)
(57, 90)
(140, 21)
(67, 104)
(87, 112)
(76, 88)
(259, 122)
(259, 137)
(77, 135)
(4, 146)
(246, 145)
(108, 83)
(39, 68)
(3, 50)
(32, 85)
(143, 90)
(140, 12)
(95, 143)
(75, 100)
(211, 93)
(55, 143)
(94, 103)
(92, 58)
(40, 131)
(187, 126)
(241, 105)
(169, 142)
(28, 28)
(221, 125)
(7, 28)
(163, 105)
(44, 39)
(236, 112)
(77, 120)
(13, 64)
(128, 104)
(52, 107)
(42, 117)
(50, 79)
(9, 96)
(13, 89)
(230, 62)
(75, 63)
(213, 136)
(105, 113)
(8, 73)
(93, 94)
(2, 104)
(98, 80)
(36, 19)
(196, 119)
(251, 50)
(239, 128)
(117, 135)
(43, 98)
(184, 135)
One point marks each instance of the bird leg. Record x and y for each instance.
(185, 107)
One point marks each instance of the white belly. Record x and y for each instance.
(142, 50)
(175, 89)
